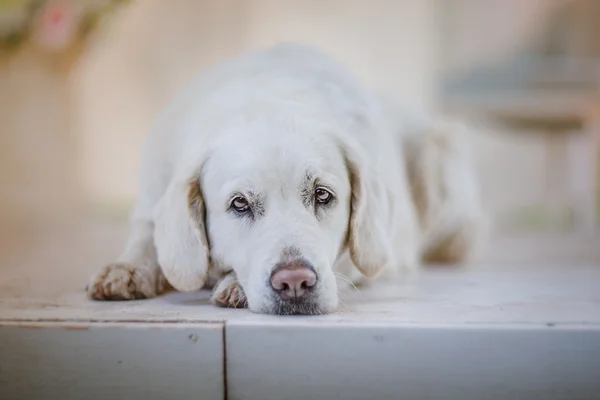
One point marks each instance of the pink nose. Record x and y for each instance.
(293, 281)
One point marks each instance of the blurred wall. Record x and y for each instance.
(61, 133)
(36, 145)
(484, 32)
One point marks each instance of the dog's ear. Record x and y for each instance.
(369, 233)
(180, 235)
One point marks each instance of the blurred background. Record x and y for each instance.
(82, 80)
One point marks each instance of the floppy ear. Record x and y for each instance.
(369, 236)
(180, 235)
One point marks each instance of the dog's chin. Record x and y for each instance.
(309, 306)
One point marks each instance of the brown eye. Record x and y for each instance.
(323, 196)
(240, 204)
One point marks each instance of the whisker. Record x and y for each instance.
(348, 280)
(345, 295)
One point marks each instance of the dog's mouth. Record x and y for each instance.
(305, 306)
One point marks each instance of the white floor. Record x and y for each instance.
(522, 322)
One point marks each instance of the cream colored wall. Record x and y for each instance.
(36, 144)
(155, 47)
(487, 32)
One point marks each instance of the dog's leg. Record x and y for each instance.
(446, 194)
(136, 274)
(229, 293)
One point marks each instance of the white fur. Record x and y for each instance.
(260, 124)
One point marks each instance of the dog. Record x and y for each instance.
(277, 172)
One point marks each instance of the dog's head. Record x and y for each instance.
(278, 209)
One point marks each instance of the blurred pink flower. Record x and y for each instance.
(57, 24)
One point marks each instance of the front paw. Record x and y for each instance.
(229, 293)
(122, 281)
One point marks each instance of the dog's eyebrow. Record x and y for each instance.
(307, 187)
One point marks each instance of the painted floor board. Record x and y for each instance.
(112, 361)
(355, 361)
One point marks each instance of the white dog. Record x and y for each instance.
(277, 171)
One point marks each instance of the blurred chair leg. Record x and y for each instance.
(556, 173)
(583, 173)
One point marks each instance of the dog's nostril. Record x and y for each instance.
(293, 280)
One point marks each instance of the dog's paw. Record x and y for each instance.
(229, 293)
(122, 281)
(458, 247)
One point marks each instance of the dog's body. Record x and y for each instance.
(276, 171)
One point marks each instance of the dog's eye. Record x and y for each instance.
(323, 196)
(240, 204)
